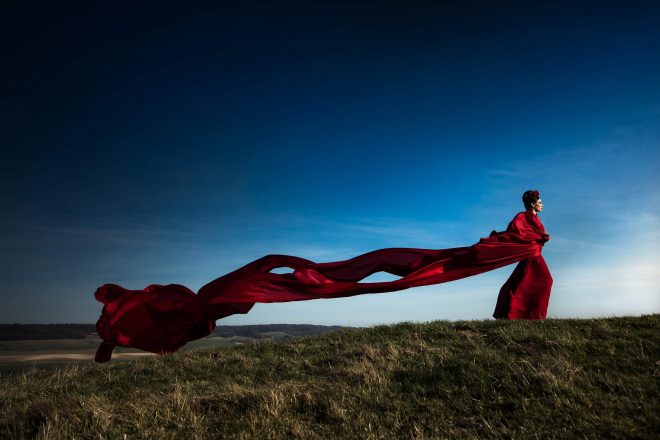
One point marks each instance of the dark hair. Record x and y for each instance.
(530, 197)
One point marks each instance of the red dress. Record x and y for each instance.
(161, 319)
(526, 293)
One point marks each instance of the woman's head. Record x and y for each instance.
(532, 200)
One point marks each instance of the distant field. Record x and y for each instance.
(22, 332)
(44, 352)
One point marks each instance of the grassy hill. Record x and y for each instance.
(595, 378)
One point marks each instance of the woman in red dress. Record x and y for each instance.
(162, 318)
(526, 293)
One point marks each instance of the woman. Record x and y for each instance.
(526, 293)
(161, 319)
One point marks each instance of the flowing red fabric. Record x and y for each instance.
(161, 319)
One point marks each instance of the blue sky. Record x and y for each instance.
(169, 144)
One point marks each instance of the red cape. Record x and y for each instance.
(161, 319)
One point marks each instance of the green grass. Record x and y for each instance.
(592, 378)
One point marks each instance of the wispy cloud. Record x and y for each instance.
(602, 214)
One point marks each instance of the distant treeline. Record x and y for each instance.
(257, 331)
(18, 332)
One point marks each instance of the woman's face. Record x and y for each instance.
(538, 206)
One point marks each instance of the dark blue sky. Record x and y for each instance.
(161, 143)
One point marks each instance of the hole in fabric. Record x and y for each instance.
(281, 270)
(379, 277)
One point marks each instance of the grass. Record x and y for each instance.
(591, 378)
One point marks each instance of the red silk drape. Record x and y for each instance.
(161, 319)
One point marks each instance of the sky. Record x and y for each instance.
(155, 143)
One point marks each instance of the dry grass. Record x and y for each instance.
(556, 379)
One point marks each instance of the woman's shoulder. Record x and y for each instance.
(521, 215)
(523, 218)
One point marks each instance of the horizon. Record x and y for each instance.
(174, 145)
(335, 325)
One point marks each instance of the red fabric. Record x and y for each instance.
(161, 319)
(526, 293)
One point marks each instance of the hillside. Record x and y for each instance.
(595, 378)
